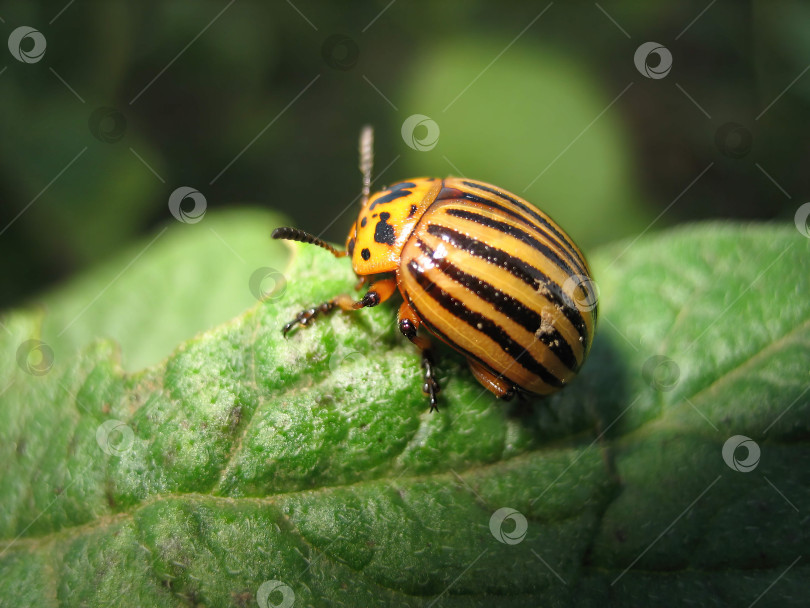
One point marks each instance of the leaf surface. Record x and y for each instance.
(243, 458)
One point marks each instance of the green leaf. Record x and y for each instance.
(247, 469)
(164, 290)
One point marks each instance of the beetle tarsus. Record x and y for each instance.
(431, 386)
(305, 317)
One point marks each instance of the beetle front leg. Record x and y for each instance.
(305, 317)
(408, 324)
(379, 292)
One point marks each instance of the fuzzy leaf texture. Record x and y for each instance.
(244, 469)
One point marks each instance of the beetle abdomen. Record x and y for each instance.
(497, 281)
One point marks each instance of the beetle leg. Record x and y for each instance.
(408, 324)
(431, 386)
(500, 387)
(305, 317)
(379, 292)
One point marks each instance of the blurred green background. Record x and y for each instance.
(260, 103)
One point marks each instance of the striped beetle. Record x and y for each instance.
(480, 268)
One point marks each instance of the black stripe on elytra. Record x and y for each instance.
(448, 340)
(514, 231)
(522, 206)
(518, 268)
(573, 258)
(486, 326)
(397, 191)
(511, 307)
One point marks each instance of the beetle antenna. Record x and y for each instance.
(294, 234)
(366, 160)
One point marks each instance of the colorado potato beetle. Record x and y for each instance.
(480, 268)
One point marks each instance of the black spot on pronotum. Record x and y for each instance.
(365, 254)
(363, 222)
(384, 233)
(350, 247)
(397, 191)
